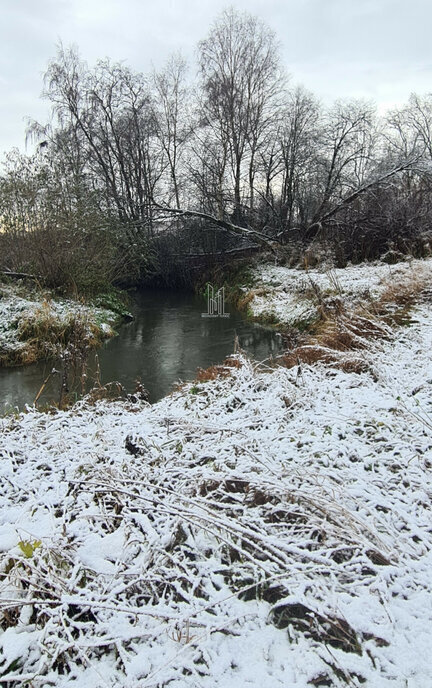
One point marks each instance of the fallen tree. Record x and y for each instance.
(222, 225)
(269, 241)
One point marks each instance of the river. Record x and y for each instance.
(165, 343)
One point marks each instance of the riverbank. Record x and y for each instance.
(267, 526)
(295, 297)
(34, 324)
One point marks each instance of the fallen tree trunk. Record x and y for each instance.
(224, 225)
(307, 233)
(408, 164)
(18, 275)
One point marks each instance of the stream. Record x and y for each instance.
(165, 343)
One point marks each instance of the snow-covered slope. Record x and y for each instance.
(291, 296)
(270, 528)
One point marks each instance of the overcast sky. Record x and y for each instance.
(380, 50)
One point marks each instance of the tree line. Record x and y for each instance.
(136, 173)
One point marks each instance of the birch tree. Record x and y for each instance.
(241, 79)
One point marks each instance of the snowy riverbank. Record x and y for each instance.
(291, 296)
(34, 325)
(269, 528)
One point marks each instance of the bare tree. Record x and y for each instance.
(297, 140)
(207, 172)
(172, 116)
(111, 110)
(261, 164)
(344, 153)
(241, 78)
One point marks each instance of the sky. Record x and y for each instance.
(378, 50)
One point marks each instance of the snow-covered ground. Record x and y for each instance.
(20, 306)
(270, 528)
(291, 296)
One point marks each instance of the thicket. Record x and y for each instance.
(142, 176)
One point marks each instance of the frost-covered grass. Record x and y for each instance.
(267, 528)
(34, 325)
(292, 296)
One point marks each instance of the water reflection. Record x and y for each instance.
(166, 342)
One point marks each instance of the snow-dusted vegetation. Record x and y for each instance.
(293, 296)
(34, 325)
(268, 524)
(267, 527)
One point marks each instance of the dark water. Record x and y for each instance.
(165, 343)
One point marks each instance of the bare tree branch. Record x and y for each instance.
(408, 164)
(245, 232)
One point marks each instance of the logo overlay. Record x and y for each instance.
(215, 303)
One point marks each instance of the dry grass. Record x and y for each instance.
(252, 567)
(211, 373)
(43, 335)
(217, 371)
(43, 330)
(112, 391)
(205, 507)
(404, 292)
(243, 301)
(338, 340)
(311, 354)
(343, 332)
(11, 357)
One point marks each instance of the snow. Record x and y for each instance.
(271, 528)
(291, 294)
(97, 553)
(16, 645)
(19, 304)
